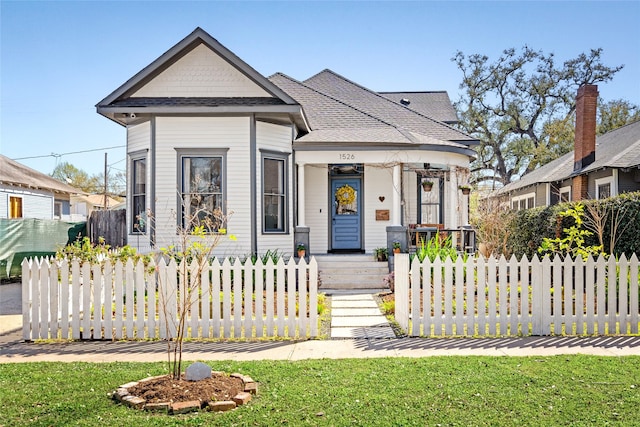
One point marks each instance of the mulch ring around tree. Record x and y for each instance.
(220, 392)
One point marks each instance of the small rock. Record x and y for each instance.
(120, 394)
(247, 379)
(184, 407)
(242, 398)
(197, 371)
(134, 401)
(251, 387)
(222, 405)
(236, 375)
(157, 407)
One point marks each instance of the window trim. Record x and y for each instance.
(17, 197)
(603, 181)
(181, 153)
(133, 157)
(284, 158)
(526, 197)
(562, 190)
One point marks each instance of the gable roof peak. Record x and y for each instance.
(197, 37)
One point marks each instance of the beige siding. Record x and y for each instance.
(275, 138)
(378, 182)
(201, 73)
(317, 213)
(230, 133)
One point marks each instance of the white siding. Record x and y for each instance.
(378, 182)
(410, 199)
(317, 209)
(275, 138)
(4, 205)
(230, 133)
(35, 203)
(201, 73)
(138, 139)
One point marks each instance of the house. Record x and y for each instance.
(277, 161)
(82, 205)
(597, 168)
(27, 193)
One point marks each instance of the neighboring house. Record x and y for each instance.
(27, 193)
(322, 161)
(597, 168)
(83, 205)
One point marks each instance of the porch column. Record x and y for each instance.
(396, 207)
(301, 201)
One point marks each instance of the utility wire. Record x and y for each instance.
(56, 155)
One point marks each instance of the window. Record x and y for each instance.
(57, 210)
(202, 191)
(15, 207)
(429, 200)
(604, 188)
(274, 195)
(525, 201)
(139, 195)
(565, 194)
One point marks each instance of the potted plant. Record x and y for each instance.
(381, 254)
(396, 247)
(427, 185)
(466, 189)
(302, 250)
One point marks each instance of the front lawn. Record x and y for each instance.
(447, 391)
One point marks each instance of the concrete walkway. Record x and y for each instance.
(356, 315)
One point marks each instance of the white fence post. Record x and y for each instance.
(401, 277)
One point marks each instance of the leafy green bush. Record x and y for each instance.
(620, 225)
(572, 241)
(436, 248)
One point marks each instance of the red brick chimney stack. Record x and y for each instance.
(585, 139)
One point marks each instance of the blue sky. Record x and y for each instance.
(58, 59)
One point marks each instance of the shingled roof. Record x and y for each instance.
(619, 148)
(434, 104)
(338, 120)
(18, 175)
(383, 108)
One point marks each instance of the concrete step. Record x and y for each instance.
(351, 271)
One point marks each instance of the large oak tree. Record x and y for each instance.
(521, 107)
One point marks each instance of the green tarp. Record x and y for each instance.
(25, 238)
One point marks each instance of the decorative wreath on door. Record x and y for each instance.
(346, 195)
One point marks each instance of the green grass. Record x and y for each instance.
(447, 391)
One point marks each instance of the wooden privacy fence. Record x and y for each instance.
(110, 225)
(135, 301)
(509, 297)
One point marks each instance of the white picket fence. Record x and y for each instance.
(500, 297)
(130, 301)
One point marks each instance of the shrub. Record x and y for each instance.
(620, 225)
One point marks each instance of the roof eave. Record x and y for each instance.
(377, 146)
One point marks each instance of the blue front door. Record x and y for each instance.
(345, 213)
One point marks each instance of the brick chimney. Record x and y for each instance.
(585, 139)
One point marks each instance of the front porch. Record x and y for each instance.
(385, 201)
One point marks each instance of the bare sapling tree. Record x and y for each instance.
(601, 213)
(200, 228)
(491, 219)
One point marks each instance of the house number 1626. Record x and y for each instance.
(347, 156)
